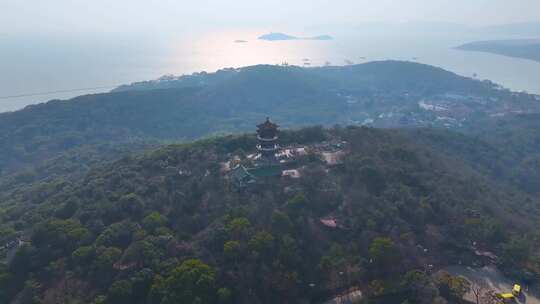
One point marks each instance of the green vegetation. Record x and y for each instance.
(506, 149)
(99, 209)
(228, 101)
(137, 231)
(191, 282)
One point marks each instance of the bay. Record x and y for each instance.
(37, 64)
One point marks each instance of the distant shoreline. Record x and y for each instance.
(517, 48)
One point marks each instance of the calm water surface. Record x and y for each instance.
(30, 64)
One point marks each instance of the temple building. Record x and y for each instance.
(267, 136)
(267, 163)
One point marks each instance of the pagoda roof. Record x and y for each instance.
(267, 124)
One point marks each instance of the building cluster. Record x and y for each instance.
(273, 160)
(269, 161)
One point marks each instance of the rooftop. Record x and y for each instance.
(267, 124)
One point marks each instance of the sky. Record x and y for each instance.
(122, 16)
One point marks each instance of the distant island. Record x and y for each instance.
(282, 37)
(517, 48)
(240, 41)
(277, 37)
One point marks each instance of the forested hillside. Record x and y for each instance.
(114, 198)
(506, 149)
(394, 75)
(384, 94)
(169, 226)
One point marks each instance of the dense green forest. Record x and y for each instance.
(505, 149)
(384, 94)
(121, 198)
(137, 231)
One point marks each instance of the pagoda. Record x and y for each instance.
(267, 136)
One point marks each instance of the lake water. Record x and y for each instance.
(30, 64)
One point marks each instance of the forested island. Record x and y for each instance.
(519, 48)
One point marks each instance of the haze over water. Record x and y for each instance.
(50, 63)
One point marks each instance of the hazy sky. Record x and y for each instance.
(49, 16)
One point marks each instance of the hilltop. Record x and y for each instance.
(130, 231)
(379, 94)
(113, 198)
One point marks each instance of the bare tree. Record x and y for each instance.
(483, 294)
(478, 291)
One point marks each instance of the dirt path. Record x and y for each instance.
(493, 279)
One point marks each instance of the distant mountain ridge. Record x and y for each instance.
(518, 29)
